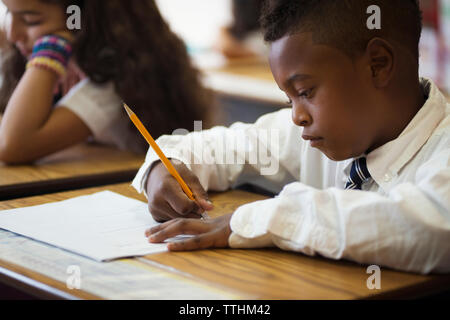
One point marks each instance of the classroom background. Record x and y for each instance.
(245, 88)
(189, 20)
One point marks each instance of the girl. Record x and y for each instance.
(123, 51)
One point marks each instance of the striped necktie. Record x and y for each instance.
(358, 174)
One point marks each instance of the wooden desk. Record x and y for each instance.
(81, 166)
(245, 274)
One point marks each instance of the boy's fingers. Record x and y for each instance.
(157, 228)
(206, 204)
(200, 195)
(163, 225)
(203, 241)
(162, 211)
(179, 201)
(202, 202)
(193, 215)
(180, 226)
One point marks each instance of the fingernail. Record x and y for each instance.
(209, 201)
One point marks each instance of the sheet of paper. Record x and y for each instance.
(101, 226)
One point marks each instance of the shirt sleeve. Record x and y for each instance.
(407, 229)
(222, 157)
(96, 105)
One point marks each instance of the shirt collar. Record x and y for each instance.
(387, 160)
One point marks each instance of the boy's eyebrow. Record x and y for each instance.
(298, 77)
(294, 77)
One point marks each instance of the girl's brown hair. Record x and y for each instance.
(130, 44)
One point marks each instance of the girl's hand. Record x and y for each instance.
(66, 34)
(74, 73)
(73, 76)
(210, 233)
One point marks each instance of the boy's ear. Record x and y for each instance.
(381, 59)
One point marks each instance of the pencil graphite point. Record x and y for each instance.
(205, 216)
(127, 109)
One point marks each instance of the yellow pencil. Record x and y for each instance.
(160, 154)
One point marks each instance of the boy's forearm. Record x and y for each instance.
(394, 231)
(220, 156)
(180, 148)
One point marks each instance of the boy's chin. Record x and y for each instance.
(336, 155)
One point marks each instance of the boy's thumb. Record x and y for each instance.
(206, 204)
(201, 196)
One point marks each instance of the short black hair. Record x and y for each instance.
(343, 23)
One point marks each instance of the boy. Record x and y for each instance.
(370, 181)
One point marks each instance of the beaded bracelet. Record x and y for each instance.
(52, 53)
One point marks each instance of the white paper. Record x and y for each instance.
(101, 226)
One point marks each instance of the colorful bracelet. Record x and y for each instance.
(52, 53)
(49, 64)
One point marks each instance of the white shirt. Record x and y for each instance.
(100, 108)
(401, 218)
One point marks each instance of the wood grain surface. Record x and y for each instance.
(257, 274)
(76, 167)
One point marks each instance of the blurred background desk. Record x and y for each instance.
(247, 79)
(245, 89)
(81, 166)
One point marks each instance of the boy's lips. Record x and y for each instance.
(315, 141)
(306, 137)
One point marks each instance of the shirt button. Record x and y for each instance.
(387, 177)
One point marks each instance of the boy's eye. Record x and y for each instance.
(306, 93)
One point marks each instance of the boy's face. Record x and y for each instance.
(330, 95)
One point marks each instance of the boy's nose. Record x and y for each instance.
(300, 116)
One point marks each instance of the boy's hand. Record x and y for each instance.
(210, 233)
(166, 199)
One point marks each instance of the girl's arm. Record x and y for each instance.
(30, 128)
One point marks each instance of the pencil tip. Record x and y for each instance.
(127, 109)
